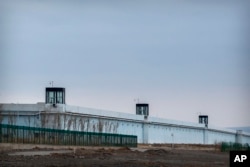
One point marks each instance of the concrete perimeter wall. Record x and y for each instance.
(147, 129)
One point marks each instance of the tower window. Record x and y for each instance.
(55, 95)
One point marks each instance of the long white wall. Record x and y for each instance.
(148, 130)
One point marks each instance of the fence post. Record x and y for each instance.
(23, 134)
(0, 133)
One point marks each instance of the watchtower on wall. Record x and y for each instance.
(203, 119)
(142, 109)
(55, 95)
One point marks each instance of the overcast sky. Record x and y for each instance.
(183, 58)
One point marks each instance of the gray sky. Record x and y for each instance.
(183, 58)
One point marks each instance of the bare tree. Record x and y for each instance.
(69, 122)
(88, 124)
(94, 127)
(44, 119)
(65, 121)
(1, 115)
(100, 125)
(108, 126)
(36, 122)
(81, 125)
(28, 120)
(57, 121)
(74, 122)
(12, 119)
(115, 128)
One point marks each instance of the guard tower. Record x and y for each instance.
(142, 109)
(203, 119)
(55, 95)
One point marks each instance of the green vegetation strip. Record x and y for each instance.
(230, 146)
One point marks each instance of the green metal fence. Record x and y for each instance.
(32, 135)
(230, 146)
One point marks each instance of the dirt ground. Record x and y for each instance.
(143, 155)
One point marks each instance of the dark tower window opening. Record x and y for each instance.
(55, 95)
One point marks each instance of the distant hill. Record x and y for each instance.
(244, 129)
